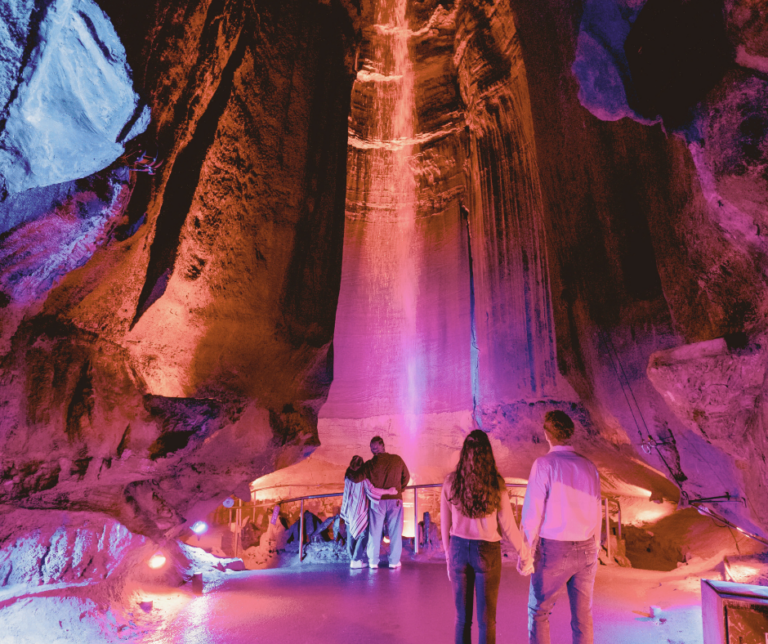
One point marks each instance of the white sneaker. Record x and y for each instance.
(397, 565)
(357, 564)
(373, 565)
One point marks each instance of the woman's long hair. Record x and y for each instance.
(476, 486)
(354, 467)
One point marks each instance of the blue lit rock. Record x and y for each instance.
(14, 26)
(74, 106)
(52, 241)
(42, 548)
(601, 66)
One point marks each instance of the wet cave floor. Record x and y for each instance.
(329, 602)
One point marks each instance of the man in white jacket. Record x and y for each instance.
(561, 532)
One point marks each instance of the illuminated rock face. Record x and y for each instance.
(485, 336)
(654, 244)
(499, 238)
(166, 339)
(68, 102)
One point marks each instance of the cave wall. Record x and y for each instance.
(166, 337)
(494, 352)
(513, 309)
(602, 239)
(645, 256)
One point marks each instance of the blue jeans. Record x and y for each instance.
(475, 567)
(356, 547)
(558, 564)
(391, 511)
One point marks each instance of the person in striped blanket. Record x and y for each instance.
(354, 509)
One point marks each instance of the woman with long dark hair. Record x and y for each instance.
(475, 514)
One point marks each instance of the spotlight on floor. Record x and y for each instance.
(199, 527)
(156, 561)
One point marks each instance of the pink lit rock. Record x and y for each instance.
(712, 389)
(717, 392)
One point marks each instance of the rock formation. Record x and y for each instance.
(509, 204)
(646, 255)
(166, 338)
(68, 101)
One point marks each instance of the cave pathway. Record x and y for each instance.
(413, 605)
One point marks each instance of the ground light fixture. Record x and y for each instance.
(199, 527)
(157, 560)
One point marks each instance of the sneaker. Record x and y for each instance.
(357, 564)
(373, 565)
(396, 565)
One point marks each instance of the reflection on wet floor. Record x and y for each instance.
(331, 603)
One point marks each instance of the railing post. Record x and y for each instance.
(607, 530)
(618, 510)
(301, 532)
(238, 514)
(416, 520)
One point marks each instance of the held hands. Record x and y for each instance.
(525, 557)
(392, 491)
(525, 565)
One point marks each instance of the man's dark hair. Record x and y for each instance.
(558, 425)
(377, 440)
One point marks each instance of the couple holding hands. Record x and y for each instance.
(558, 540)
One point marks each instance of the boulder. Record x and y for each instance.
(711, 388)
(71, 105)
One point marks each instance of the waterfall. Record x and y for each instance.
(392, 204)
(401, 354)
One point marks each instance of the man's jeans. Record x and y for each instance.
(391, 511)
(572, 564)
(474, 565)
(356, 547)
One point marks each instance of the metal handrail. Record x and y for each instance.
(415, 488)
(330, 494)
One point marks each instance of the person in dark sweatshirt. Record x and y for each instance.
(384, 471)
(358, 492)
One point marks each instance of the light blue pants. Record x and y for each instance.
(356, 547)
(559, 565)
(391, 511)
